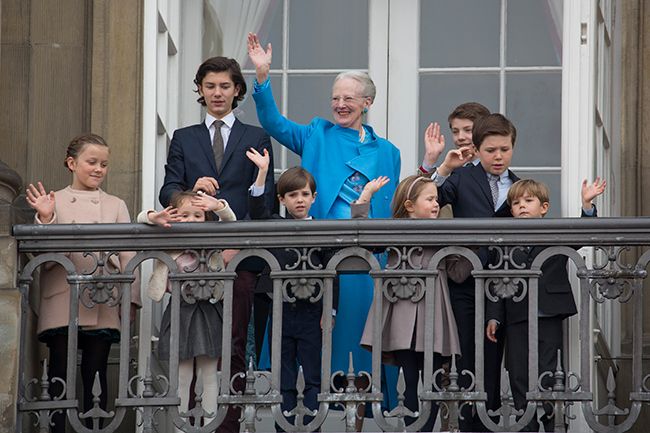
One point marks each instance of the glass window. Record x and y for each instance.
(456, 33)
(534, 35)
(534, 105)
(329, 34)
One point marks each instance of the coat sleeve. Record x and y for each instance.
(174, 172)
(289, 134)
(448, 191)
(257, 208)
(226, 214)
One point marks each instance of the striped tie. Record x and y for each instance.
(494, 188)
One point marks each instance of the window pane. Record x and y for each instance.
(534, 104)
(534, 35)
(309, 97)
(329, 34)
(271, 32)
(246, 112)
(441, 93)
(552, 180)
(459, 33)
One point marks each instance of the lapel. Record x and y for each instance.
(236, 134)
(480, 177)
(203, 138)
(366, 162)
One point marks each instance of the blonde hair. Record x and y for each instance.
(530, 187)
(408, 190)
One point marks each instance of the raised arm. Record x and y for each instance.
(434, 144)
(361, 207)
(591, 191)
(455, 158)
(261, 58)
(42, 202)
(262, 161)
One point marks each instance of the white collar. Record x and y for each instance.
(228, 119)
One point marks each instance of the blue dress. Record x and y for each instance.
(341, 166)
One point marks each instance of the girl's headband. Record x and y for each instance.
(417, 179)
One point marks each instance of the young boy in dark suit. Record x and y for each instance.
(530, 199)
(301, 319)
(478, 191)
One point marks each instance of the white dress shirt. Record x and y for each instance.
(228, 122)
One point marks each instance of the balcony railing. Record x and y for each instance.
(609, 279)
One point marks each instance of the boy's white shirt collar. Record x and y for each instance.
(228, 119)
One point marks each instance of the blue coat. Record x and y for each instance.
(332, 154)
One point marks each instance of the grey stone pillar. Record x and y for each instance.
(10, 185)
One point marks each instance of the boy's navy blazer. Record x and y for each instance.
(468, 191)
(190, 157)
(260, 212)
(555, 298)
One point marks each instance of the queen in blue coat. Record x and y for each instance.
(342, 156)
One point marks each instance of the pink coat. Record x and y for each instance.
(82, 207)
(403, 320)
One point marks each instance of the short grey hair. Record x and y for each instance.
(369, 88)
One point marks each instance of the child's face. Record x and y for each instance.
(528, 206)
(190, 214)
(218, 90)
(461, 131)
(89, 167)
(426, 204)
(496, 153)
(298, 202)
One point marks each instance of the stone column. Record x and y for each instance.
(635, 181)
(10, 184)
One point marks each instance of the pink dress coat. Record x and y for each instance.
(82, 207)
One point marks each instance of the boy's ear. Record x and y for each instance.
(314, 195)
(281, 199)
(544, 208)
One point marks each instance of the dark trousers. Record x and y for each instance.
(301, 347)
(94, 359)
(462, 302)
(550, 341)
(241, 313)
(412, 363)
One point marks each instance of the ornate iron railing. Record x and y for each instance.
(609, 279)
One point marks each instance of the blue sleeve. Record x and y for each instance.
(289, 134)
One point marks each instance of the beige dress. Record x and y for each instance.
(403, 320)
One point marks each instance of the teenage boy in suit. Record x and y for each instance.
(211, 157)
(478, 191)
(530, 199)
(301, 319)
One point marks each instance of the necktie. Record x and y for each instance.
(217, 144)
(494, 188)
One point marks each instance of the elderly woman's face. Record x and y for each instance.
(348, 103)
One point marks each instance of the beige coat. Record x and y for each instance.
(403, 320)
(158, 283)
(82, 207)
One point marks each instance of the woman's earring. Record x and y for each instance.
(365, 110)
